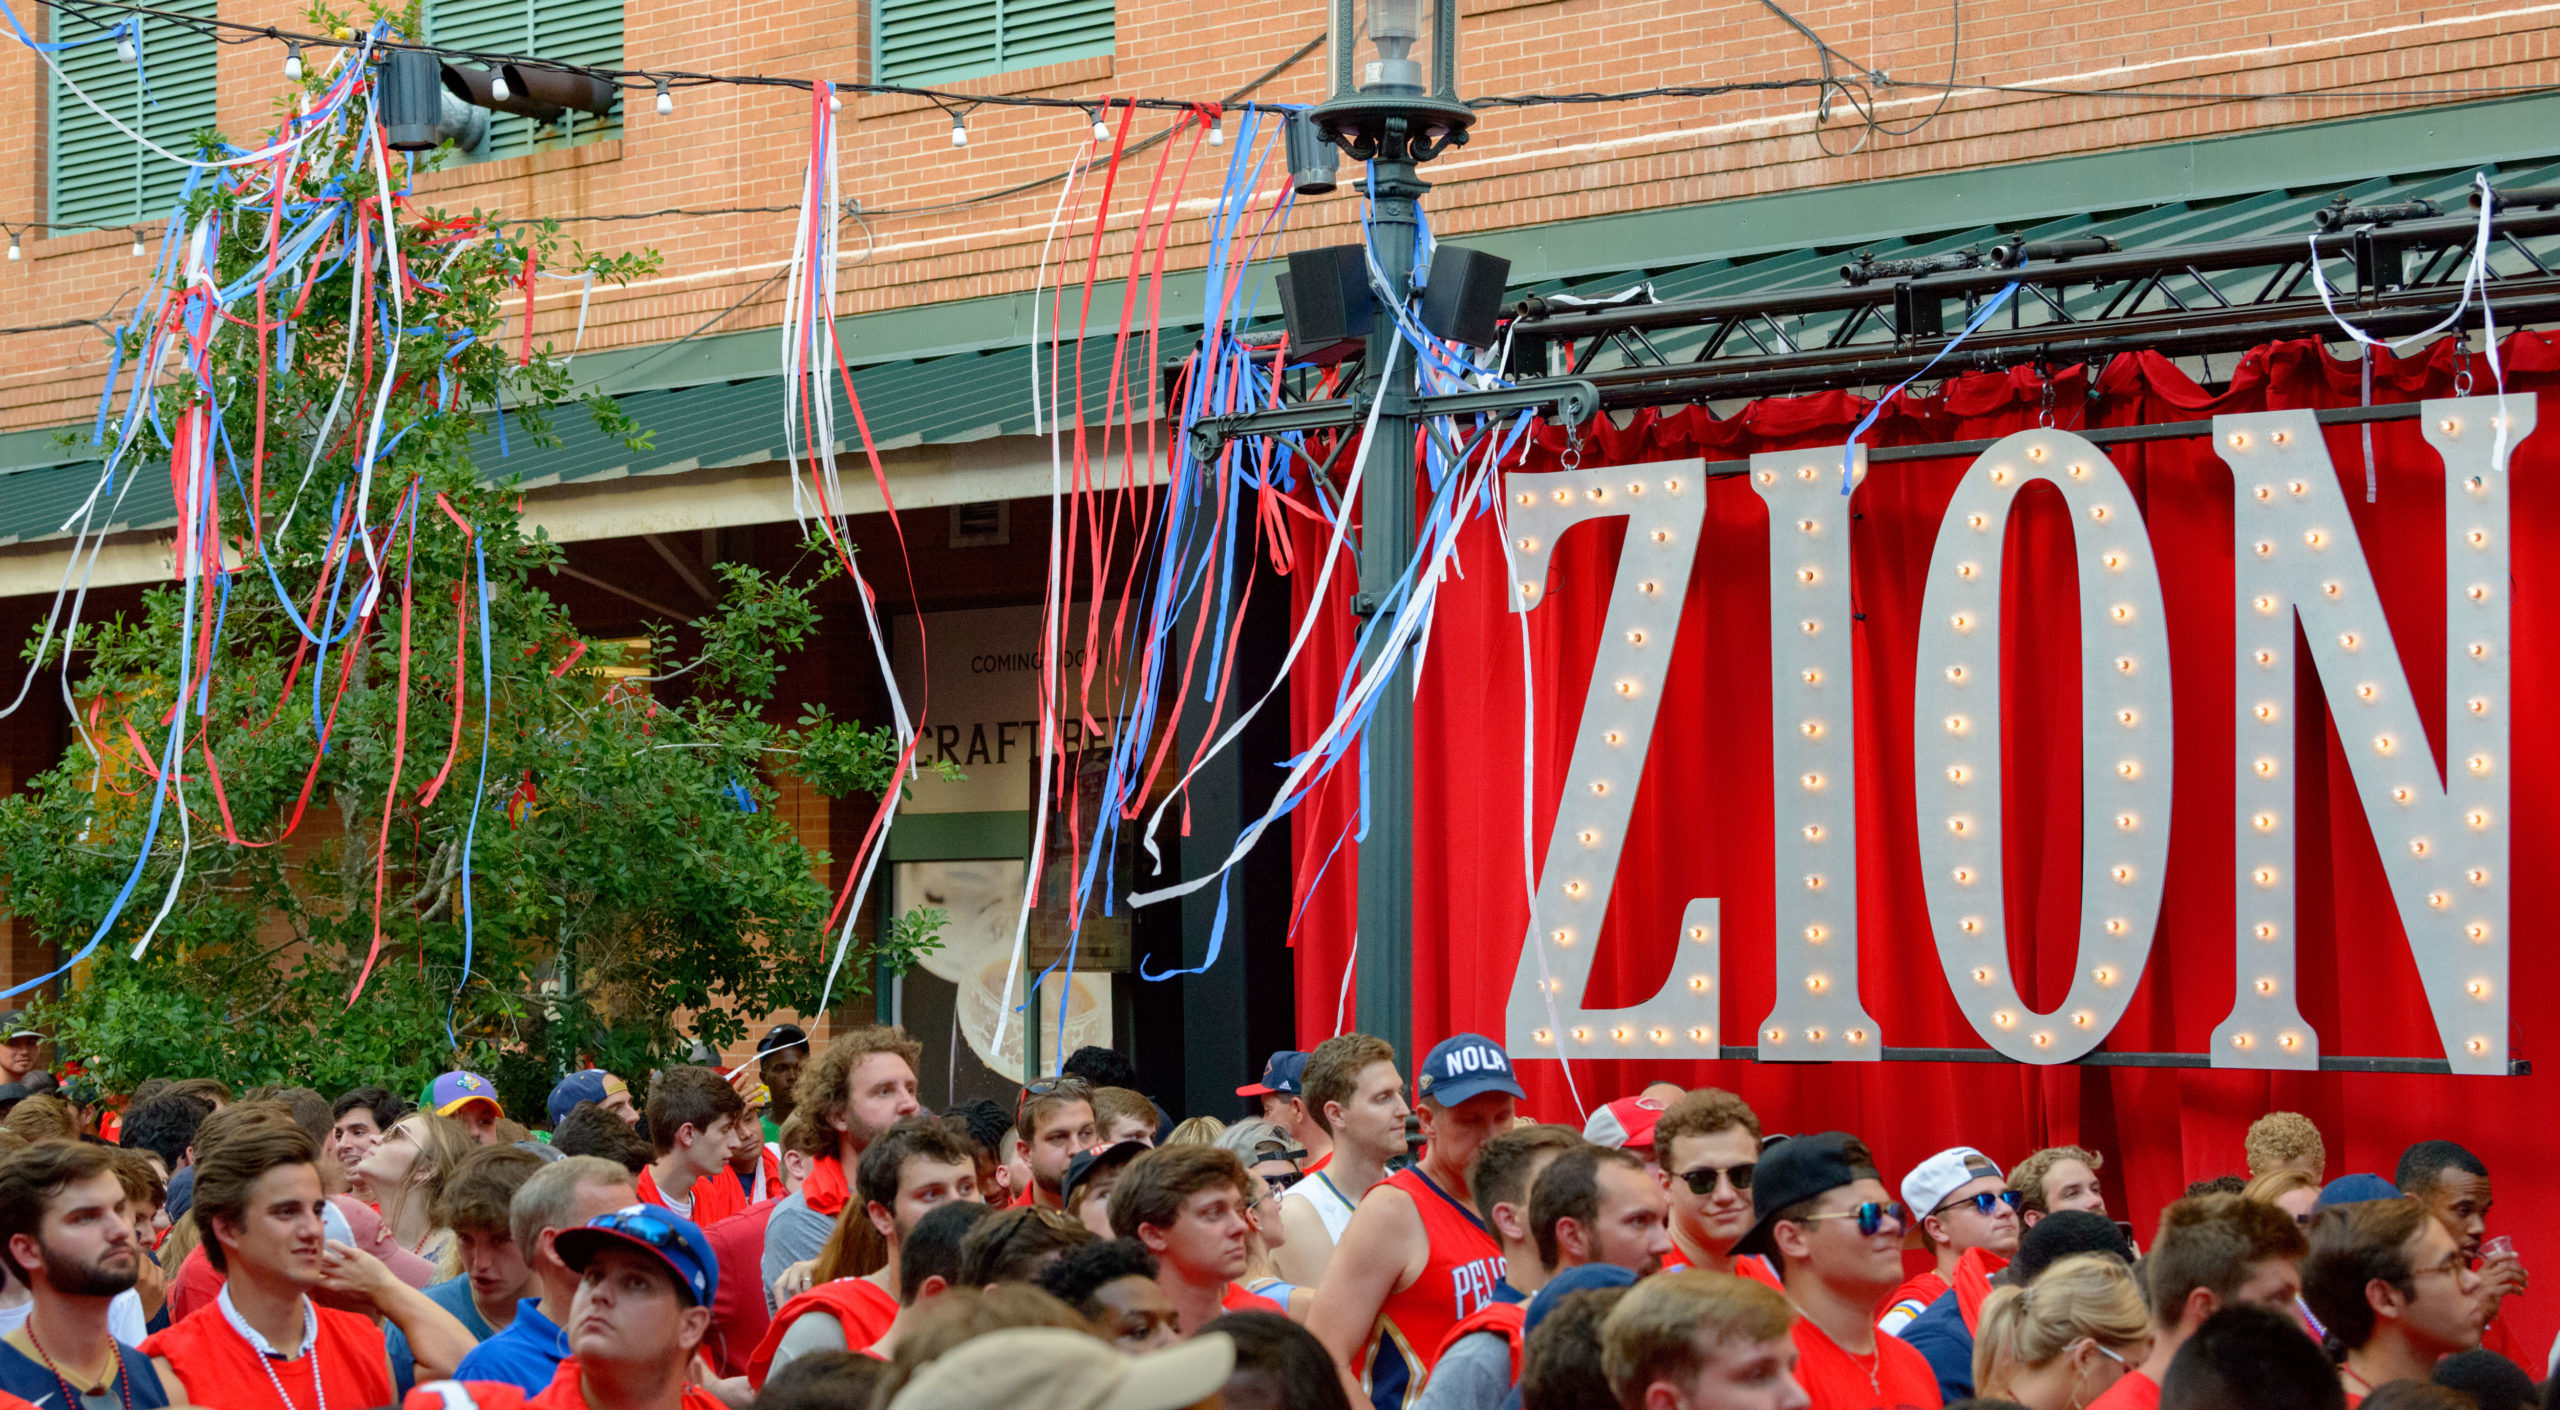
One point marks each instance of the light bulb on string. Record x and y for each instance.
(666, 100)
(293, 61)
(1217, 132)
(138, 251)
(1101, 128)
(14, 255)
(498, 90)
(960, 130)
(126, 53)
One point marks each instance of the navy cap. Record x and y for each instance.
(2356, 1189)
(1585, 1277)
(1285, 1074)
(660, 1233)
(1466, 1065)
(589, 1085)
(1082, 1164)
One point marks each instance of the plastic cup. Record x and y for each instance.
(2498, 1248)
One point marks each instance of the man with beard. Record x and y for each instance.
(863, 1084)
(916, 1167)
(64, 1230)
(1056, 1123)
(258, 1200)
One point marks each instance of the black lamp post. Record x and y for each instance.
(1386, 114)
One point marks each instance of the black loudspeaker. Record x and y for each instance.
(1324, 297)
(1464, 299)
(412, 101)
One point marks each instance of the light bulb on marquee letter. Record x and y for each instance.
(1811, 676)
(2125, 733)
(2435, 830)
(1580, 866)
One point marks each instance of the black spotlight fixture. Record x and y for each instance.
(411, 101)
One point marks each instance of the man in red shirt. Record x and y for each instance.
(1415, 1261)
(258, 1200)
(645, 1283)
(1825, 1218)
(1055, 1122)
(696, 1120)
(1968, 1220)
(2212, 1252)
(916, 1167)
(1709, 1144)
(1187, 1205)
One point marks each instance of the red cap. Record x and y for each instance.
(1624, 1124)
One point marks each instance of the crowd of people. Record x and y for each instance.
(800, 1233)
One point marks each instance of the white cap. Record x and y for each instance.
(1932, 1180)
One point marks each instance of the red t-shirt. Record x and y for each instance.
(219, 1367)
(1238, 1300)
(713, 1199)
(1895, 1378)
(863, 1306)
(2134, 1391)
(738, 1313)
(565, 1393)
(1914, 1296)
(1749, 1265)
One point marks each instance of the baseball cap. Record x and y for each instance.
(13, 1026)
(1284, 1074)
(589, 1085)
(2061, 1234)
(1057, 1369)
(1258, 1140)
(1941, 1175)
(661, 1233)
(781, 1035)
(1799, 1170)
(2346, 1189)
(1624, 1124)
(1083, 1163)
(1586, 1277)
(1466, 1065)
(456, 1090)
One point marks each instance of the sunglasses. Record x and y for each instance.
(1870, 1216)
(1280, 1183)
(1983, 1204)
(1702, 1181)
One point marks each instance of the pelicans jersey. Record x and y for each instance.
(1462, 1277)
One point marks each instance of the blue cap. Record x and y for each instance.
(1580, 1278)
(1466, 1065)
(1284, 1074)
(2356, 1189)
(658, 1232)
(456, 1090)
(589, 1085)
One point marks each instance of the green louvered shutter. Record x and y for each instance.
(937, 41)
(925, 42)
(1053, 31)
(97, 176)
(571, 31)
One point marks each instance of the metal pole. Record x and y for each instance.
(1385, 960)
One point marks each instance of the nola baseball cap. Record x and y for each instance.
(1284, 1074)
(1057, 1369)
(1466, 1065)
(589, 1085)
(1801, 1169)
(456, 1090)
(1625, 1124)
(660, 1233)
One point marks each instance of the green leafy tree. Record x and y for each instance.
(626, 868)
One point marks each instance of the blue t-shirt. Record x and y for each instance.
(526, 1355)
(25, 1377)
(1940, 1336)
(454, 1296)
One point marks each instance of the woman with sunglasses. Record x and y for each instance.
(2061, 1341)
(1271, 1165)
(1966, 1215)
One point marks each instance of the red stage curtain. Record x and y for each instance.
(1703, 814)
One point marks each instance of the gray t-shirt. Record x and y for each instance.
(1475, 1375)
(792, 1234)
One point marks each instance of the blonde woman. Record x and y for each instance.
(2059, 1343)
(401, 1177)
(1197, 1131)
(2296, 1192)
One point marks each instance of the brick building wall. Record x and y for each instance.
(744, 146)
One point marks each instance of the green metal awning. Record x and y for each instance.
(962, 396)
